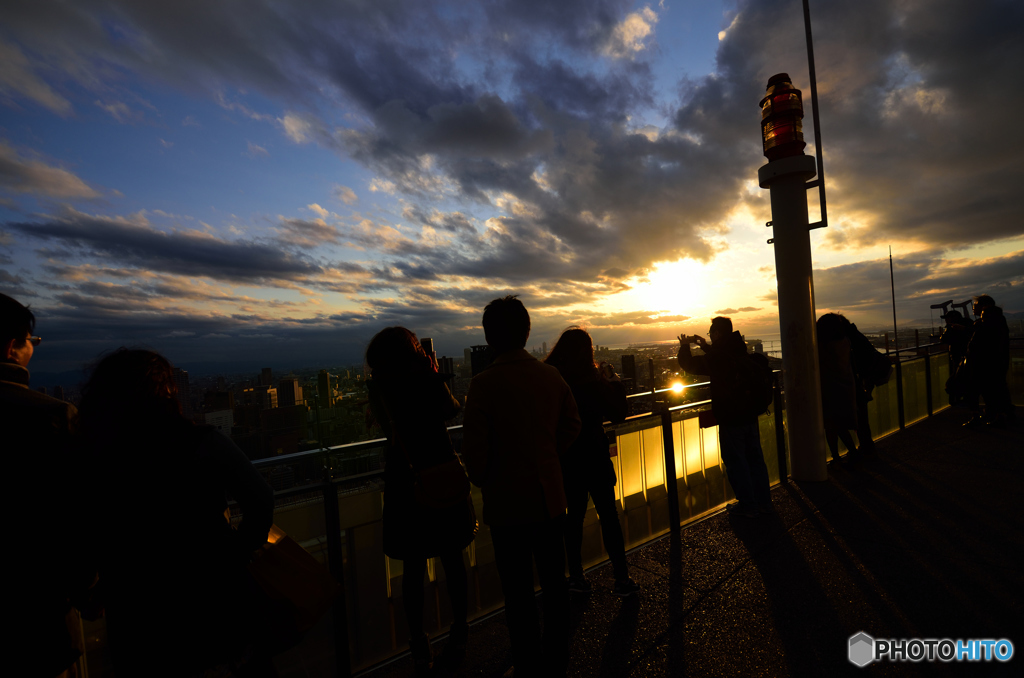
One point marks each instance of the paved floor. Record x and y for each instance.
(925, 540)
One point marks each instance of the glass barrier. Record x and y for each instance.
(373, 582)
(915, 390)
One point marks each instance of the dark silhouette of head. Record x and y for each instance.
(506, 324)
(573, 355)
(721, 327)
(16, 325)
(832, 327)
(395, 351)
(983, 301)
(130, 384)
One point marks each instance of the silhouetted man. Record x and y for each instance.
(988, 356)
(36, 434)
(738, 434)
(520, 417)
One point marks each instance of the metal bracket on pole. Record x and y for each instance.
(817, 224)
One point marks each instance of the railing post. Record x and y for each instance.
(928, 382)
(780, 433)
(336, 561)
(671, 482)
(899, 394)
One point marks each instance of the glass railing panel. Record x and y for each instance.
(915, 390)
(630, 465)
(769, 445)
(882, 409)
(940, 369)
(1015, 377)
(654, 457)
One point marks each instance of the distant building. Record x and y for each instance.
(467, 363)
(629, 371)
(325, 389)
(263, 396)
(215, 401)
(544, 348)
(267, 377)
(180, 377)
(289, 392)
(222, 420)
(480, 358)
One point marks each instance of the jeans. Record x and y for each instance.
(516, 549)
(744, 462)
(598, 481)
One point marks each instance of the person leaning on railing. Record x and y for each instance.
(587, 470)
(428, 511)
(988, 356)
(172, 568)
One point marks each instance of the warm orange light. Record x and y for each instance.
(782, 112)
(677, 387)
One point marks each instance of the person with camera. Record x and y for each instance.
(738, 434)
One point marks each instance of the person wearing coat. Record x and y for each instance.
(587, 470)
(838, 383)
(169, 560)
(411, 402)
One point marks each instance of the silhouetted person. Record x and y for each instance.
(520, 417)
(988, 356)
(412, 403)
(738, 434)
(171, 566)
(838, 385)
(870, 368)
(962, 387)
(587, 470)
(44, 631)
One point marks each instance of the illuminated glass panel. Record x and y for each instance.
(654, 456)
(630, 464)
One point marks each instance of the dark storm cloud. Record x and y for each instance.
(133, 242)
(921, 279)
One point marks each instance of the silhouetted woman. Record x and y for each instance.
(171, 567)
(426, 515)
(838, 384)
(586, 467)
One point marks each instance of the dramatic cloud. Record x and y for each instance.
(133, 241)
(24, 175)
(527, 145)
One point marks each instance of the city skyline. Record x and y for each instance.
(276, 184)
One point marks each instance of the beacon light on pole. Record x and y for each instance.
(782, 112)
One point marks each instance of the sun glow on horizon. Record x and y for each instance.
(683, 287)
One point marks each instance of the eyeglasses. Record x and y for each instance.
(35, 341)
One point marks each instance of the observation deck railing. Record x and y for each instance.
(669, 471)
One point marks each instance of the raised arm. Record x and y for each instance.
(692, 364)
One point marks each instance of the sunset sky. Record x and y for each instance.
(266, 183)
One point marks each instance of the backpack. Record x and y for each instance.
(754, 383)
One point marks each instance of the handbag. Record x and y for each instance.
(298, 589)
(442, 486)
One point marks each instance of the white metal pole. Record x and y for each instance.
(805, 433)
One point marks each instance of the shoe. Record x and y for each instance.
(422, 655)
(579, 585)
(737, 509)
(454, 652)
(625, 587)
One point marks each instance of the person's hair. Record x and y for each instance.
(573, 355)
(395, 350)
(832, 327)
(16, 321)
(506, 324)
(984, 301)
(129, 385)
(722, 323)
